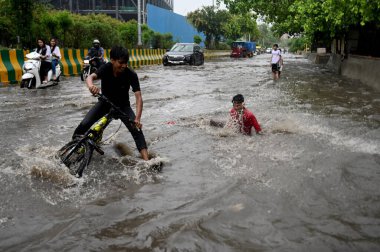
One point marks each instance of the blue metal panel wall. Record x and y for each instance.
(164, 21)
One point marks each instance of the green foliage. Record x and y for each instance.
(223, 46)
(209, 21)
(310, 17)
(72, 30)
(7, 30)
(241, 25)
(218, 24)
(197, 39)
(298, 44)
(267, 38)
(128, 33)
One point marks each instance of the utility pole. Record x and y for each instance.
(139, 44)
(143, 12)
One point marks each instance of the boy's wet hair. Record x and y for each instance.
(119, 53)
(238, 98)
(276, 45)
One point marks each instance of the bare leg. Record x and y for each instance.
(144, 154)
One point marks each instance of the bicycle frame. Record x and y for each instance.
(79, 150)
(95, 133)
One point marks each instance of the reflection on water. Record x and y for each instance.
(309, 183)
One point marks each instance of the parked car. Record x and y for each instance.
(184, 53)
(268, 50)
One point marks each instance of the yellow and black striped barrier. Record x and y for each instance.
(11, 61)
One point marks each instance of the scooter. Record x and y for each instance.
(31, 73)
(90, 66)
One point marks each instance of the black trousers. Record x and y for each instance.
(44, 69)
(100, 109)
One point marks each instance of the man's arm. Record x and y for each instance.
(139, 108)
(90, 84)
(255, 124)
(101, 53)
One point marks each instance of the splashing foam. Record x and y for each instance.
(219, 127)
(286, 126)
(41, 163)
(141, 171)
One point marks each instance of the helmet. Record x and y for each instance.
(96, 41)
(238, 98)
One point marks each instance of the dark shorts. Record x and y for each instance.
(275, 67)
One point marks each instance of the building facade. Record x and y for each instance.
(120, 9)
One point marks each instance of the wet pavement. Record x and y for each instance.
(310, 183)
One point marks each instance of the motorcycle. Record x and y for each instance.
(90, 65)
(31, 73)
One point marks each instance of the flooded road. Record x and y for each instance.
(310, 183)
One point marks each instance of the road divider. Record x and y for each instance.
(11, 61)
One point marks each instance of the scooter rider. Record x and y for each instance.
(96, 51)
(55, 56)
(44, 50)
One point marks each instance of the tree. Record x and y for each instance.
(210, 22)
(128, 33)
(197, 39)
(72, 30)
(267, 37)
(311, 17)
(7, 29)
(22, 12)
(241, 25)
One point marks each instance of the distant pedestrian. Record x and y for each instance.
(275, 61)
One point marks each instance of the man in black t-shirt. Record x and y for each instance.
(116, 80)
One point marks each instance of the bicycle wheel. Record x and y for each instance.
(76, 155)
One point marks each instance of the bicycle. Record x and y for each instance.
(76, 154)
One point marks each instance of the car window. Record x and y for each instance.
(182, 48)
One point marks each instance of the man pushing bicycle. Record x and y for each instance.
(116, 80)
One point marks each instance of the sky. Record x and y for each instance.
(182, 7)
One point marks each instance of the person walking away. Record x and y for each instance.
(55, 56)
(116, 80)
(275, 61)
(44, 50)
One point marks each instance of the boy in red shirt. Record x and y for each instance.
(241, 118)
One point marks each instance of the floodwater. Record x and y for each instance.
(310, 183)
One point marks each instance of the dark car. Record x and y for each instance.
(184, 53)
